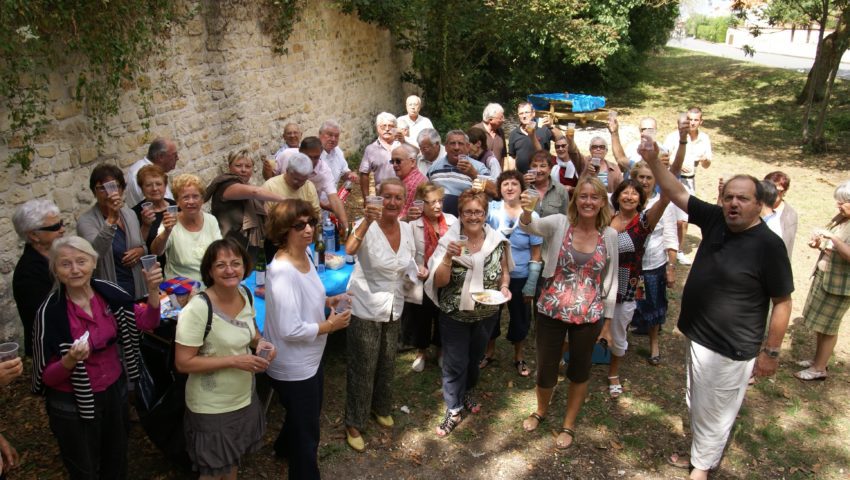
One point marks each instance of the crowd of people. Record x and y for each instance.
(574, 247)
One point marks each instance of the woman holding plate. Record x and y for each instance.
(470, 258)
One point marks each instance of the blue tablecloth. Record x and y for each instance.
(581, 102)
(335, 282)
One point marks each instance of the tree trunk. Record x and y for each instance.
(827, 59)
(817, 74)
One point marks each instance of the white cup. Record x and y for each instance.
(173, 209)
(111, 187)
(148, 261)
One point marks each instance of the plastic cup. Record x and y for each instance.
(571, 126)
(420, 204)
(596, 161)
(264, 349)
(612, 114)
(534, 196)
(8, 351)
(148, 261)
(462, 240)
(647, 140)
(111, 187)
(343, 305)
(147, 205)
(173, 209)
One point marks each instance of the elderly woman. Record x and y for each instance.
(787, 214)
(215, 334)
(184, 237)
(113, 230)
(633, 225)
(152, 181)
(420, 328)
(578, 296)
(237, 204)
(38, 224)
(87, 348)
(829, 294)
(296, 324)
(658, 265)
(456, 270)
(525, 251)
(384, 247)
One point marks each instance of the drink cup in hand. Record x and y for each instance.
(462, 239)
(111, 187)
(647, 141)
(173, 209)
(612, 115)
(596, 161)
(264, 348)
(147, 205)
(533, 196)
(343, 304)
(8, 351)
(148, 262)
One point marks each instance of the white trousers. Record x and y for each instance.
(623, 313)
(715, 391)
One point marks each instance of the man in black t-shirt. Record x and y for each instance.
(522, 143)
(740, 268)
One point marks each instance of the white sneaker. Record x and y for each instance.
(418, 364)
(683, 259)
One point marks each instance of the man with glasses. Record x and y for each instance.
(376, 157)
(456, 171)
(528, 138)
(403, 160)
(492, 120)
(163, 153)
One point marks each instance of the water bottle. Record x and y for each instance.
(328, 234)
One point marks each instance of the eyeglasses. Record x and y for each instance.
(598, 147)
(560, 146)
(52, 228)
(473, 213)
(235, 265)
(300, 226)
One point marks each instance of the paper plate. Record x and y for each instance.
(489, 297)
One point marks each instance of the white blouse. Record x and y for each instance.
(377, 283)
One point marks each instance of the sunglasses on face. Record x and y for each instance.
(300, 226)
(558, 147)
(52, 228)
(396, 161)
(598, 147)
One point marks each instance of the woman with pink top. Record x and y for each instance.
(86, 349)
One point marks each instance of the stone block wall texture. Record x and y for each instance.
(217, 87)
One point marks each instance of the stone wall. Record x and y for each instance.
(218, 87)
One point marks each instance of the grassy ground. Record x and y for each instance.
(786, 429)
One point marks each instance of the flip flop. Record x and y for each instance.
(522, 368)
(572, 435)
(485, 362)
(535, 416)
(679, 460)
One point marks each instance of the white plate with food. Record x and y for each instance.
(489, 297)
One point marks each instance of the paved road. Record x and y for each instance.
(799, 64)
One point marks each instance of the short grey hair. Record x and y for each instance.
(491, 110)
(842, 192)
(409, 149)
(300, 164)
(385, 117)
(329, 124)
(30, 216)
(413, 97)
(599, 138)
(432, 135)
(72, 241)
(459, 133)
(157, 148)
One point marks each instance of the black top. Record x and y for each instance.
(521, 147)
(734, 275)
(31, 283)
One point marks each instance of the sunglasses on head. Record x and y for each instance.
(53, 228)
(302, 225)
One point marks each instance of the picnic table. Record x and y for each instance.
(565, 106)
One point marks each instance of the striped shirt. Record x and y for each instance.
(451, 179)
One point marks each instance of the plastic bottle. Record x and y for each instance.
(328, 234)
(345, 191)
(260, 268)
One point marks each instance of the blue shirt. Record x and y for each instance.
(450, 178)
(521, 242)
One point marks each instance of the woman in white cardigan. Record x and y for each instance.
(578, 295)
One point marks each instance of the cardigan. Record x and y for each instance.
(92, 226)
(31, 283)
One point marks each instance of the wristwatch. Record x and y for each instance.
(771, 352)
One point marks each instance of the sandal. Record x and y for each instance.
(571, 433)
(534, 416)
(679, 460)
(485, 362)
(614, 389)
(654, 360)
(810, 374)
(522, 368)
(471, 405)
(449, 423)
